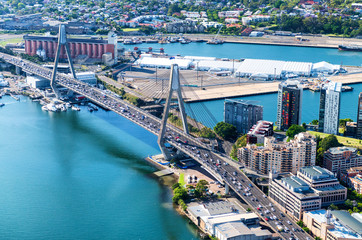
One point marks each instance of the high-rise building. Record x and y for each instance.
(329, 108)
(289, 104)
(242, 114)
(359, 117)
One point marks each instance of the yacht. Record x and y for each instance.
(74, 108)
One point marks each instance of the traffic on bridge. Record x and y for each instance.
(222, 168)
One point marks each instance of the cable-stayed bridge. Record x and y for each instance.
(217, 164)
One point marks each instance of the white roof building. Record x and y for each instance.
(207, 65)
(325, 67)
(238, 231)
(153, 62)
(267, 68)
(270, 69)
(87, 77)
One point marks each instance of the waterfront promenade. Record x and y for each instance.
(249, 89)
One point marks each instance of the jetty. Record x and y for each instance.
(163, 173)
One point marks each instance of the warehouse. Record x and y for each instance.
(153, 62)
(260, 69)
(272, 69)
(216, 66)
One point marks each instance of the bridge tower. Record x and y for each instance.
(174, 86)
(62, 41)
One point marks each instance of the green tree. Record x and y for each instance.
(225, 130)
(241, 142)
(179, 193)
(342, 122)
(206, 132)
(201, 187)
(333, 207)
(314, 122)
(329, 142)
(176, 185)
(300, 223)
(294, 130)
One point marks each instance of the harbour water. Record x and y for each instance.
(240, 50)
(310, 106)
(80, 175)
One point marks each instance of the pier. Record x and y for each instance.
(258, 88)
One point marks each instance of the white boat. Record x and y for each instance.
(2, 104)
(44, 108)
(51, 107)
(68, 105)
(74, 108)
(63, 108)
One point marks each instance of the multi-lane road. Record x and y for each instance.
(213, 162)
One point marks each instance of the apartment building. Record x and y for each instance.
(242, 114)
(259, 131)
(329, 108)
(339, 159)
(289, 104)
(280, 156)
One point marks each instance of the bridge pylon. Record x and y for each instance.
(174, 86)
(62, 41)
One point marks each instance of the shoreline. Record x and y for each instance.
(254, 89)
(313, 41)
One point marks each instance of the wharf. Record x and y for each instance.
(317, 41)
(163, 172)
(250, 89)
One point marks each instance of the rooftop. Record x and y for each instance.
(340, 150)
(245, 102)
(215, 220)
(212, 208)
(345, 226)
(234, 229)
(317, 173)
(298, 186)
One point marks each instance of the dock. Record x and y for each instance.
(15, 97)
(163, 173)
(250, 89)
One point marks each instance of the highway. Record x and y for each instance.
(213, 162)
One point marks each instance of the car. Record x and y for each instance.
(266, 219)
(258, 208)
(234, 173)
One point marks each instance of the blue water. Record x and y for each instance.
(240, 51)
(310, 106)
(80, 175)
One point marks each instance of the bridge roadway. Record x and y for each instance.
(211, 161)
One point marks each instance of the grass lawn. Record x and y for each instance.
(130, 29)
(181, 179)
(351, 142)
(10, 40)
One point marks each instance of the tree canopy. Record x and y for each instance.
(225, 130)
(329, 142)
(294, 130)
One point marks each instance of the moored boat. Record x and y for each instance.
(354, 48)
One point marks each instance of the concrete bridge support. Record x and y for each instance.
(62, 41)
(227, 189)
(174, 86)
(17, 70)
